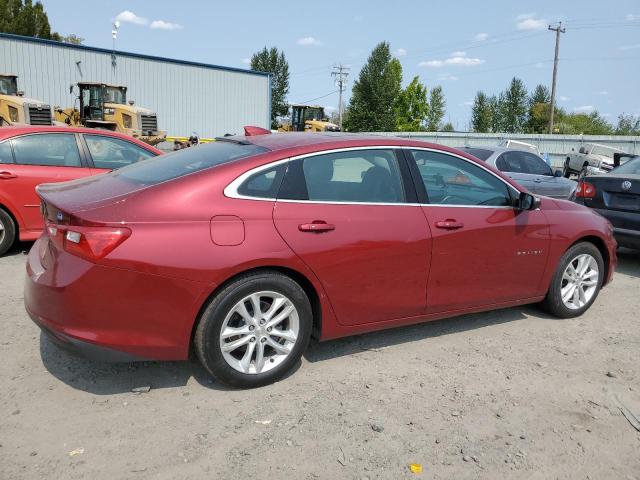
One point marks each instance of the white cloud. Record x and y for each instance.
(446, 77)
(584, 109)
(309, 41)
(603, 92)
(532, 24)
(457, 59)
(631, 17)
(629, 47)
(162, 25)
(524, 16)
(127, 16)
(401, 52)
(564, 99)
(481, 37)
(246, 61)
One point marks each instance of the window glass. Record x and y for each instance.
(111, 153)
(450, 180)
(630, 167)
(263, 184)
(522, 162)
(5, 152)
(183, 162)
(358, 176)
(480, 153)
(49, 149)
(536, 165)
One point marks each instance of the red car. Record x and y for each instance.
(240, 250)
(30, 156)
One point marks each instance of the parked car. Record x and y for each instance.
(526, 168)
(590, 158)
(239, 250)
(33, 155)
(616, 196)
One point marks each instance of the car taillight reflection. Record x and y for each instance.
(585, 190)
(90, 243)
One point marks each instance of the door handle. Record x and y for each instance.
(449, 224)
(318, 226)
(4, 175)
(538, 180)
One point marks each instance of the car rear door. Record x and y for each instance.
(484, 251)
(40, 158)
(346, 215)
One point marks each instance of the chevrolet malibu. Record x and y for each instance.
(239, 251)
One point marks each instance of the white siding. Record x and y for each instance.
(208, 100)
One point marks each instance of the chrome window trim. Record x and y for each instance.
(231, 190)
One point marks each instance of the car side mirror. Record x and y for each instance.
(528, 201)
(557, 173)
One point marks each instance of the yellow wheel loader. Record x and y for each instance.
(15, 109)
(307, 118)
(105, 106)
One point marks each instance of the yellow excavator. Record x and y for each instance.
(307, 118)
(16, 109)
(105, 106)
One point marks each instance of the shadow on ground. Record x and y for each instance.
(629, 262)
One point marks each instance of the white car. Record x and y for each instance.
(591, 158)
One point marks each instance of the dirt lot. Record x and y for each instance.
(507, 394)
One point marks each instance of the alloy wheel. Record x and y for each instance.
(579, 281)
(3, 232)
(259, 332)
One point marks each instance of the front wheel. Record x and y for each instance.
(576, 282)
(7, 231)
(255, 330)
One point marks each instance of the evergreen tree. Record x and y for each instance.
(514, 107)
(437, 106)
(495, 107)
(23, 17)
(481, 113)
(275, 63)
(374, 93)
(412, 107)
(540, 94)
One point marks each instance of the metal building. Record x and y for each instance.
(188, 97)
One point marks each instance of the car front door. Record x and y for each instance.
(346, 215)
(40, 158)
(546, 183)
(484, 251)
(512, 164)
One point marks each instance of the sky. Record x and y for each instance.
(464, 46)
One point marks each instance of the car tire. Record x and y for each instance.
(566, 171)
(589, 281)
(7, 231)
(280, 354)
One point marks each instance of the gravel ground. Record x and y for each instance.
(506, 394)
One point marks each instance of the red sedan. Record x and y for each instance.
(30, 156)
(240, 250)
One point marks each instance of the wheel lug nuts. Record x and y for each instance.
(253, 339)
(261, 322)
(263, 339)
(268, 329)
(252, 328)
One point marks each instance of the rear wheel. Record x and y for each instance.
(255, 330)
(566, 171)
(576, 282)
(7, 231)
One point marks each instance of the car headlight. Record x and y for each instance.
(109, 111)
(126, 120)
(13, 113)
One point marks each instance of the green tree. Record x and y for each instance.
(374, 93)
(584, 124)
(275, 63)
(412, 107)
(539, 108)
(514, 107)
(23, 17)
(540, 94)
(437, 107)
(495, 109)
(448, 127)
(481, 113)
(628, 125)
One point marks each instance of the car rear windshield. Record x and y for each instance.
(190, 160)
(632, 167)
(480, 153)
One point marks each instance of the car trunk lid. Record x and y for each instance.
(615, 192)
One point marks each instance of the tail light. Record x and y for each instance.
(90, 243)
(585, 190)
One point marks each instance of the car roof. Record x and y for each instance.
(16, 130)
(500, 149)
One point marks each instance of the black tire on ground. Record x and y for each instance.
(553, 301)
(566, 171)
(7, 231)
(207, 335)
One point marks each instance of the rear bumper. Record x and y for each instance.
(627, 238)
(108, 313)
(626, 227)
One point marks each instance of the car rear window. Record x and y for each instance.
(480, 153)
(189, 160)
(631, 167)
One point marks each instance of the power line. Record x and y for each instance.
(317, 98)
(558, 31)
(340, 73)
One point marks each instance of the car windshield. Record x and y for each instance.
(480, 153)
(632, 167)
(8, 86)
(183, 162)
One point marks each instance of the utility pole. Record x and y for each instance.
(558, 31)
(341, 73)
